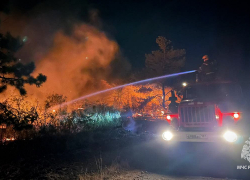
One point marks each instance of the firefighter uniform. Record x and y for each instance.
(207, 70)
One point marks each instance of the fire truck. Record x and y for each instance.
(208, 112)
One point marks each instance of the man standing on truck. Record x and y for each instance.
(207, 70)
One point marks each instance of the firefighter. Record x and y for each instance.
(207, 70)
(173, 106)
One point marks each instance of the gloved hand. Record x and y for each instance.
(199, 70)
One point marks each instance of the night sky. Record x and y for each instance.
(217, 28)
(220, 30)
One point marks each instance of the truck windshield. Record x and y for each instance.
(213, 91)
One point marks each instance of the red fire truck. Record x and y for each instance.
(208, 112)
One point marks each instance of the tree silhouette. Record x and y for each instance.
(53, 116)
(20, 119)
(166, 60)
(12, 71)
(54, 99)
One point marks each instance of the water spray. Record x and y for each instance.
(121, 86)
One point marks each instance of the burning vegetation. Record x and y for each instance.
(74, 62)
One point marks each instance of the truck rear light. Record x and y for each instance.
(168, 117)
(171, 117)
(236, 115)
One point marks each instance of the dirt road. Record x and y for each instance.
(141, 155)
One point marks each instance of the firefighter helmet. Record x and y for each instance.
(205, 57)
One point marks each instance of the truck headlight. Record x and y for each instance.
(167, 136)
(230, 136)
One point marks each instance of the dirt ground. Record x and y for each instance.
(144, 175)
(124, 155)
(141, 175)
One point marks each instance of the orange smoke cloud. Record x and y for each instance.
(76, 63)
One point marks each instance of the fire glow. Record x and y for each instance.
(124, 85)
(75, 65)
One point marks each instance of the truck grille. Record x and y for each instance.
(197, 114)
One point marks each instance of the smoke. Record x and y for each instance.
(75, 55)
(76, 63)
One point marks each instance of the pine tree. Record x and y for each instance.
(12, 71)
(166, 60)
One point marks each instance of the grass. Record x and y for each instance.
(69, 124)
(61, 143)
(105, 172)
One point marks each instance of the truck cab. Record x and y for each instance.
(208, 112)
